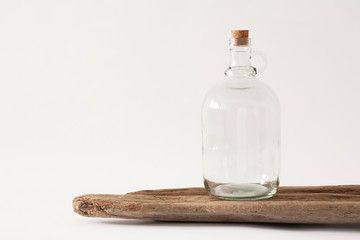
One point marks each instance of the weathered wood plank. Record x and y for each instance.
(313, 204)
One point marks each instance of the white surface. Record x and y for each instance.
(104, 97)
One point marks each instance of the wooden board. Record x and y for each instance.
(315, 204)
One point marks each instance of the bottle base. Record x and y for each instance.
(241, 192)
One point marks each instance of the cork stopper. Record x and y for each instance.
(240, 37)
(239, 33)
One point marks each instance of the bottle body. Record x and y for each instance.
(241, 139)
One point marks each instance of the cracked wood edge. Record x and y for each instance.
(313, 204)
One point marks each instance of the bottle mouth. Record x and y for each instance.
(239, 42)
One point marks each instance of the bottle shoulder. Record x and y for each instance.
(245, 90)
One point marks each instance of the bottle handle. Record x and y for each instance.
(264, 64)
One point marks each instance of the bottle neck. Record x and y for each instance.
(240, 56)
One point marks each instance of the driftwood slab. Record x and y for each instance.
(323, 204)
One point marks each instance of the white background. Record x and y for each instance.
(104, 97)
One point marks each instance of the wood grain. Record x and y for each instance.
(313, 204)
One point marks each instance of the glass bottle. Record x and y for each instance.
(241, 131)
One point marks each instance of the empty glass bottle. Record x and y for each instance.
(241, 131)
